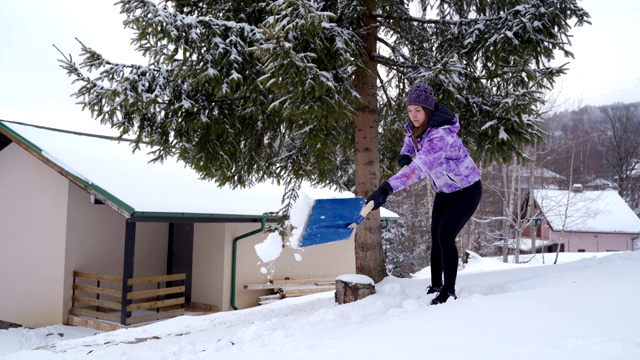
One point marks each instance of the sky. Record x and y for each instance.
(34, 89)
(583, 308)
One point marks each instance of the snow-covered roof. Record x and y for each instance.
(601, 182)
(589, 211)
(524, 171)
(111, 169)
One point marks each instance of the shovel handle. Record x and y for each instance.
(365, 210)
(363, 214)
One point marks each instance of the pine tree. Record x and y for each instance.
(294, 90)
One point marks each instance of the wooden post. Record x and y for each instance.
(127, 272)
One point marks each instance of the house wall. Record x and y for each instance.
(593, 242)
(33, 215)
(209, 264)
(212, 264)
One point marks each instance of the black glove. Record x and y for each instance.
(404, 160)
(379, 197)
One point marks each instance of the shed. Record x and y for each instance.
(80, 206)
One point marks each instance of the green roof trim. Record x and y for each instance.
(14, 134)
(109, 197)
(200, 215)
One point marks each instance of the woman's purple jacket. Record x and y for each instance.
(441, 157)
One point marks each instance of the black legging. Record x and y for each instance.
(451, 211)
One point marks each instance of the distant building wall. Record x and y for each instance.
(592, 242)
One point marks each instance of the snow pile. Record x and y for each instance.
(586, 308)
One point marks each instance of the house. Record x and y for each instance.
(82, 214)
(586, 221)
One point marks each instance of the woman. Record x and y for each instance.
(433, 150)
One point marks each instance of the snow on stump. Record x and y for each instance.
(352, 287)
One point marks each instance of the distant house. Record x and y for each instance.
(82, 214)
(586, 221)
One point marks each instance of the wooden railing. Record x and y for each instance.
(105, 300)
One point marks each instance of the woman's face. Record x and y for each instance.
(416, 115)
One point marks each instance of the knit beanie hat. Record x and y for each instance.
(422, 95)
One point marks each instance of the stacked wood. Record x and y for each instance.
(293, 287)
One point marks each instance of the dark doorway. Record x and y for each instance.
(180, 255)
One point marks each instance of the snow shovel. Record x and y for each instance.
(333, 220)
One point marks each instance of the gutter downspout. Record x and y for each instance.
(263, 221)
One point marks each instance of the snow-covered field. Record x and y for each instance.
(586, 307)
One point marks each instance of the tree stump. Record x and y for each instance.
(350, 288)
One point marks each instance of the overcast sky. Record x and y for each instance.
(34, 89)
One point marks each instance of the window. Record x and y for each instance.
(581, 250)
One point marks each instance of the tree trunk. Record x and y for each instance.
(518, 217)
(531, 205)
(368, 242)
(505, 214)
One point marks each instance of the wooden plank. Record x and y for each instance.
(155, 304)
(155, 316)
(265, 286)
(157, 279)
(95, 314)
(150, 293)
(301, 292)
(270, 297)
(107, 278)
(97, 302)
(303, 281)
(97, 290)
(318, 278)
(285, 288)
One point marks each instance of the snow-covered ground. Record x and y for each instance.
(586, 307)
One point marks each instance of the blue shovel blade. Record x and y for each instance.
(329, 220)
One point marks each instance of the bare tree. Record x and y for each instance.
(619, 137)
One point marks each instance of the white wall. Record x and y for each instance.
(209, 284)
(32, 239)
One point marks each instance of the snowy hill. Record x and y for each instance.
(579, 309)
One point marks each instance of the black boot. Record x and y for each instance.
(433, 289)
(443, 296)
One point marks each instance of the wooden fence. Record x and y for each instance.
(104, 300)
